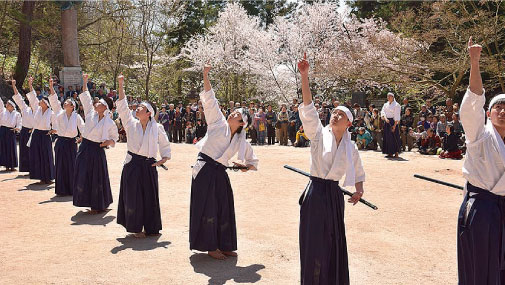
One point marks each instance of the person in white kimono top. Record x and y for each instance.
(390, 114)
(481, 220)
(41, 146)
(10, 122)
(26, 129)
(139, 205)
(323, 246)
(66, 124)
(91, 174)
(212, 214)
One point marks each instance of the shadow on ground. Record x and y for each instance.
(37, 187)
(83, 218)
(221, 271)
(57, 199)
(20, 176)
(139, 244)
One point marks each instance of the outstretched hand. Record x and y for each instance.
(206, 69)
(30, 82)
(303, 65)
(85, 78)
(13, 82)
(120, 79)
(474, 50)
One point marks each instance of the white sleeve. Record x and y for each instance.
(383, 111)
(250, 157)
(398, 111)
(213, 114)
(20, 102)
(124, 113)
(34, 102)
(87, 102)
(80, 123)
(358, 166)
(472, 115)
(163, 142)
(55, 103)
(113, 134)
(18, 121)
(2, 107)
(310, 120)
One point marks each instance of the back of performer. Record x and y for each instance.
(481, 220)
(26, 129)
(139, 206)
(212, 212)
(91, 174)
(323, 245)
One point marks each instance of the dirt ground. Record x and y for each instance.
(410, 239)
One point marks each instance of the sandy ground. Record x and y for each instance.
(411, 239)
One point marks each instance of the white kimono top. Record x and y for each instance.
(65, 126)
(329, 161)
(484, 165)
(216, 143)
(96, 129)
(392, 110)
(9, 119)
(26, 111)
(147, 143)
(41, 120)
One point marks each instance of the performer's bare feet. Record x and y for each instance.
(217, 255)
(139, 235)
(93, 212)
(396, 155)
(230, 253)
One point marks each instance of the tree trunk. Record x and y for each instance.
(69, 42)
(25, 43)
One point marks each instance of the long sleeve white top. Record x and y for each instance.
(218, 144)
(328, 160)
(9, 119)
(96, 129)
(138, 140)
(65, 126)
(391, 110)
(41, 119)
(484, 165)
(26, 111)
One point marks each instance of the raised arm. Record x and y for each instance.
(32, 96)
(210, 104)
(308, 113)
(472, 107)
(122, 104)
(53, 99)
(85, 97)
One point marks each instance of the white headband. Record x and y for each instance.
(348, 113)
(45, 100)
(11, 103)
(495, 99)
(149, 107)
(103, 102)
(391, 94)
(71, 101)
(245, 118)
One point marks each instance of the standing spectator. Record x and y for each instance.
(178, 132)
(405, 106)
(251, 129)
(283, 120)
(376, 127)
(163, 118)
(171, 120)
(271, 121)
(69, 92)
(442, 126)
(201, 129)
(260, 124)
(406, 124)
(295, 117)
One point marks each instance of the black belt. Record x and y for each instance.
(479, 193)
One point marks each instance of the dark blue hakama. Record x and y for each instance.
(91, 177)
(41, 156)
(212, 213)
(481, 238)
(139, 205)
(323, 246)
(24, 150)
(65, 151)
(391, 140)
(8, 149)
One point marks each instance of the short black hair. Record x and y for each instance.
(109, 102)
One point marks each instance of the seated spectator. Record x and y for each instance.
(407, 140)
(451, 148)
(430, 144)
(458, 128)
(424, 123)
(301, 138)
(363, 138)
(418, 135)
(424, 112)
(441, 126)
